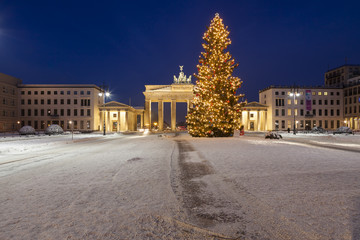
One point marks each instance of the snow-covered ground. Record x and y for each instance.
(169, 186)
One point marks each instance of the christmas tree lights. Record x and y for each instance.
(216, 111)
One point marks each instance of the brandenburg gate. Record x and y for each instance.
(180, 91)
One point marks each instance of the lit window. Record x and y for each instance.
(289, 112)
(319, 93)
(325, 93)
(289, 102)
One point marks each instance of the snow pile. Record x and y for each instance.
(27, 130)
(54, 129)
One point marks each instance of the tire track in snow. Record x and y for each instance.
(222, 205)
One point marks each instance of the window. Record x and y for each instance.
(314, 102)
(75, 113)
(75, 125)
(320, 102)
(29, 92)
(276, 93)
(42, 124)
(331, 102)
(338, 102)
(325, 93)
(313, 93)
(338, 123)
(282, 123)
(326, 102)
(289, 101)
(81, 92)
(331, 112)
(55, 92)
(279, 102)
(22, 92)
(301, 102)
(332, 93)
(68, 112)
(81, 112)
(61, 92)
(337, 93)
(332, 123)
(22, 101)
(55, 101)
(337, 112)
(22, 112)
(276, 112)
(349, 100)
(42, 92)
(88, 112)
(68, 101)
(49, 112)
(326, 124)
(276, 124)
(314, 112)
(283, 93)
(88, 93)
(56, 112)
(35, 112)
(62, 101)
(282, 112)
(29, 112)
(75, 93)
(42, 112)
(81, 124)
(88, 124)
(75, 101)
(320, 112)
(48, 92)
(35, 101)
(36, 92)
(320, 123)
(289, 112)
(325, 112)
(42, 101)
(301, 112)
(68, 92)
(29, 101)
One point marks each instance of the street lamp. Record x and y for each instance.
(294, 94)
(72, 130)
(105, 94)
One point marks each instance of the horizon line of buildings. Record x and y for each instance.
(81, 106)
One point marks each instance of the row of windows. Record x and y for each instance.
(83, 102)
(307, 124)
(55, 92)
(10, 102)
(349, 100)
(41, 124)
(350, 110)
(351, 91)
(5, 113)
(312, 93)
(281, 102)
(314, 112)
(8, 90)
(56, 112)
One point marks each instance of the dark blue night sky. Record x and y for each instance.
(128, 44)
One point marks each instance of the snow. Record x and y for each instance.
(172, 186)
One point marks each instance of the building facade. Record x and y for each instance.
(9, 103)
(70, 106)
(339, 76)
(307, 107)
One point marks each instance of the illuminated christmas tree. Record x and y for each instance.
(216, 111)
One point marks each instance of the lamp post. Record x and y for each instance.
(72, 130)
(105, 94)
(294, 93)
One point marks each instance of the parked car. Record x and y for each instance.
(318, 130)
(343, 130)
(273, 135)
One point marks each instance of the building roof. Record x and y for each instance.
(345, 65)
(59, 86)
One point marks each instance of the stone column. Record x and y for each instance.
(126, 120)
(187, 106)
(161, 114)
(173, 115)
(248, 120)
(258, 121)
(147, 114)
(118, 122)
(142, 120)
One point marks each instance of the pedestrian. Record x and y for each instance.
(288, 130)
